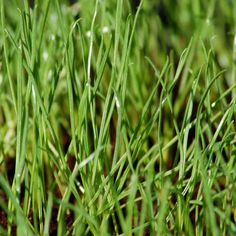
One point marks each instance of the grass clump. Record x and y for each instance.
(117, 118)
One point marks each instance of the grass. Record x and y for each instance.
(117, 119)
